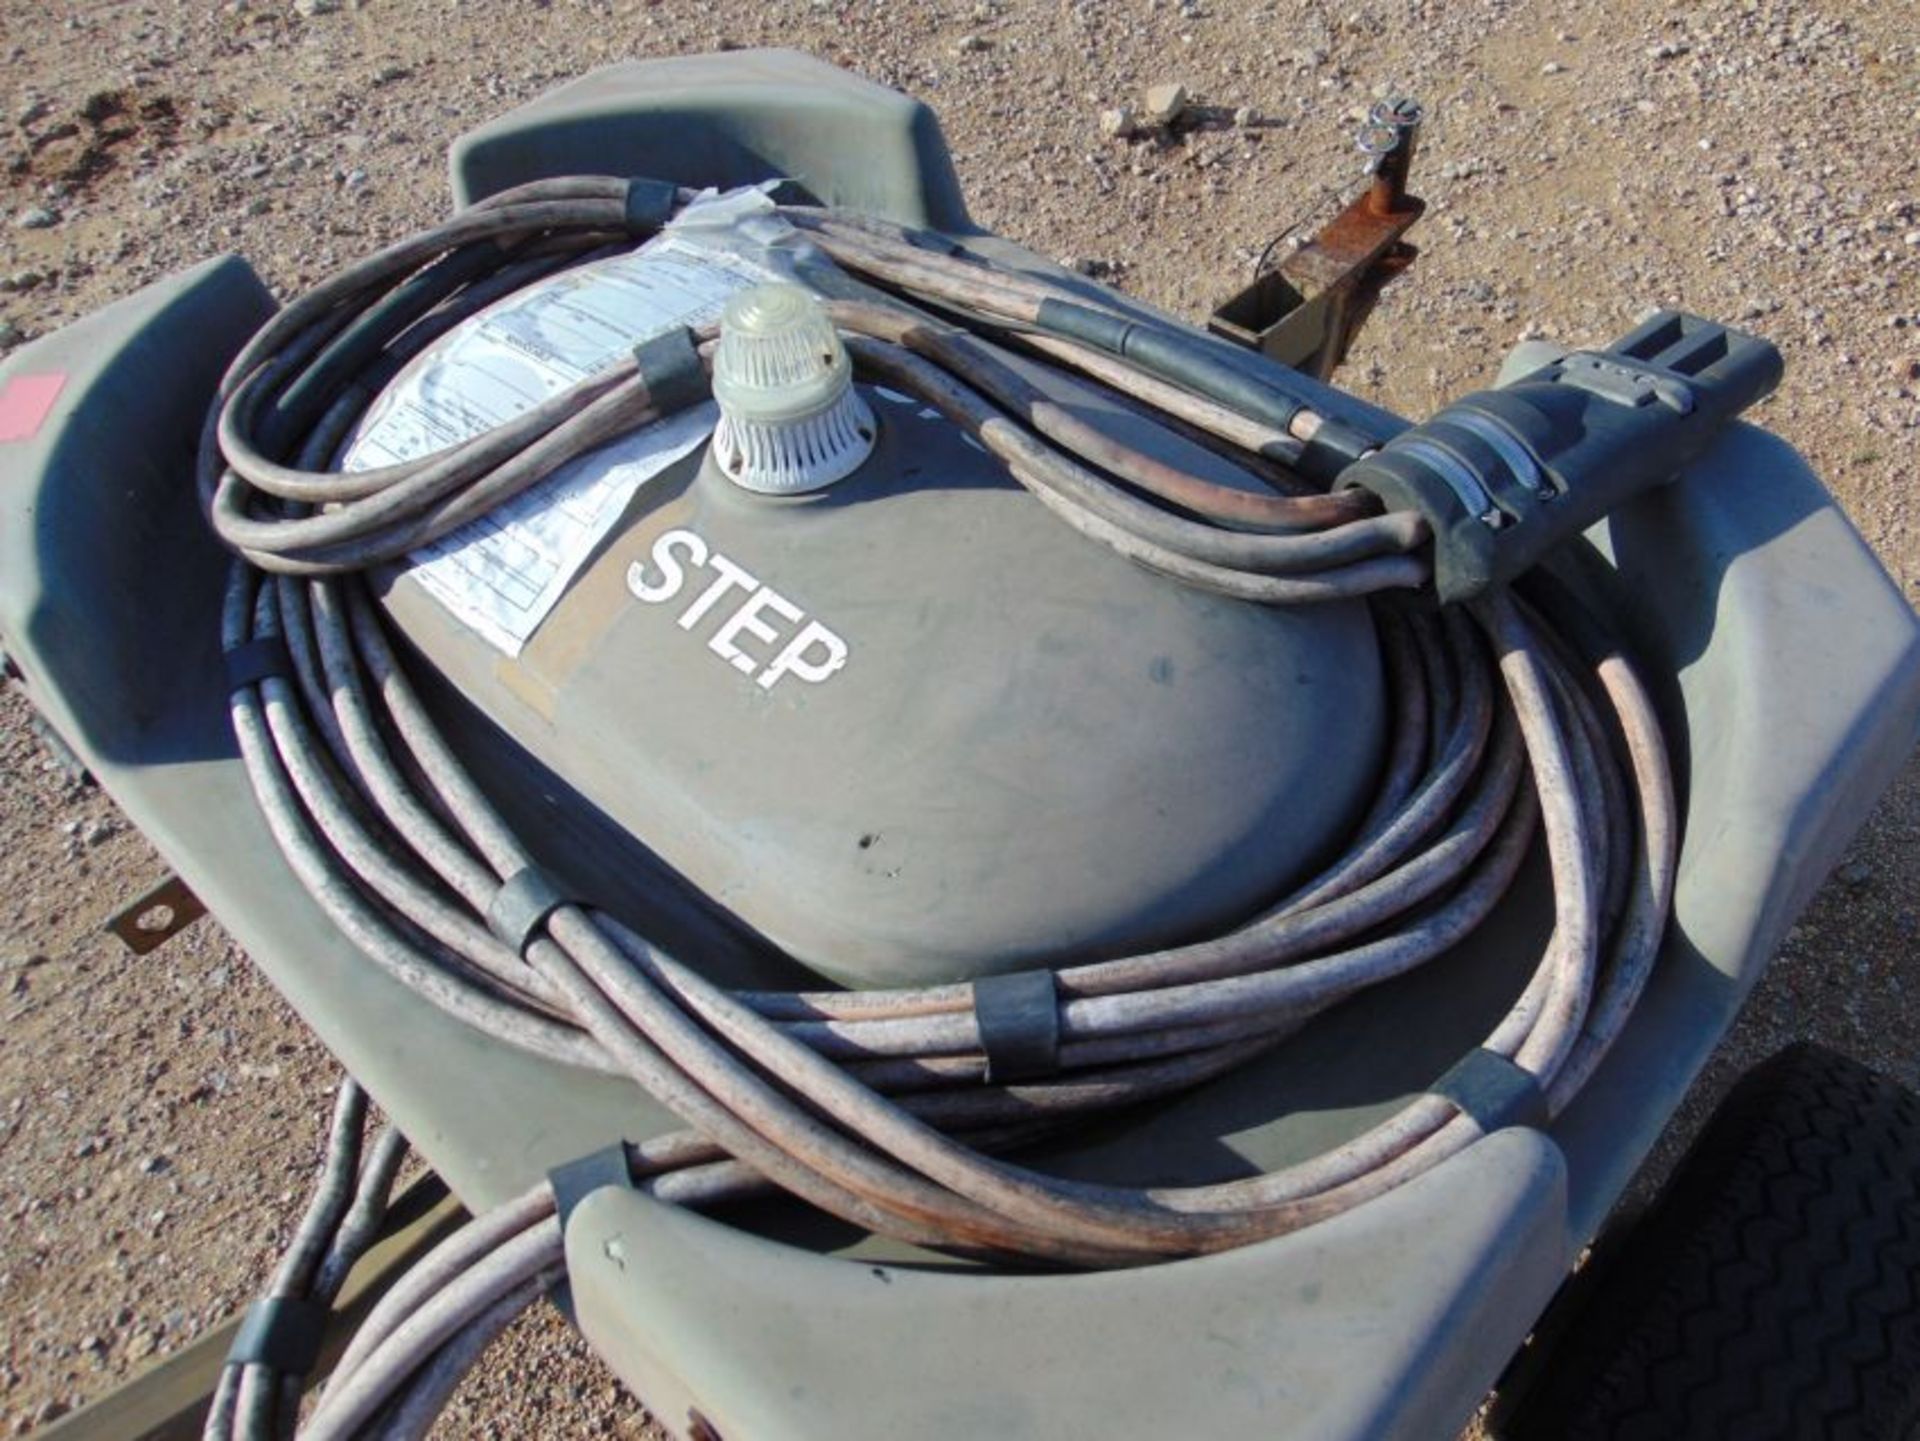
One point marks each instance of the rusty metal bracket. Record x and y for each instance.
(157, 917)
(1305, 311)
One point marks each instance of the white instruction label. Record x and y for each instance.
(503, 573)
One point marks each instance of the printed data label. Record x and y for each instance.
(503, 573)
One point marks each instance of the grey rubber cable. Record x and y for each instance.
(1508, 724)
(258, 1399)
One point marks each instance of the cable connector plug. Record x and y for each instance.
(1505, 475)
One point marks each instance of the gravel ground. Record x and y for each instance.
(159, 1119)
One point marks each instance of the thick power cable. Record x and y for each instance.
(884, 1108)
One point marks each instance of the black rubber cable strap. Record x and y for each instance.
(650, 204)
(1019, 1021)
(282, 1333)
(252, 661)
(573, 1181)
(671, 370)
(521, 907)
(1494, 1091)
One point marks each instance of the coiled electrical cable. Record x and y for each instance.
(1511, 719)
(259, 1390)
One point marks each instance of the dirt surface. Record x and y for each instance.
(159, 1119)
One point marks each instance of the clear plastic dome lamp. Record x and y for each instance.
(790, 419)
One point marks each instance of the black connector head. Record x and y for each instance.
(1505, 475)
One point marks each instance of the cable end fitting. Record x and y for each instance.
(1503, 476)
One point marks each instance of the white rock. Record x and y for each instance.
(1117, 123)
(1165, 103)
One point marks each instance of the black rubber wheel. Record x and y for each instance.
(1771, 1291)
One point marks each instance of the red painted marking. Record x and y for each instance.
(25, 402)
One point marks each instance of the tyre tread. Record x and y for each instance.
(1770, 1290)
